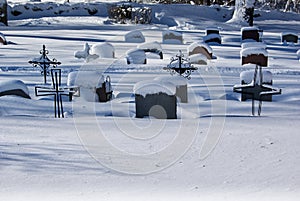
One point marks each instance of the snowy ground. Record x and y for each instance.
(100, 151)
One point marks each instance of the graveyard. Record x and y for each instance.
(188, 107)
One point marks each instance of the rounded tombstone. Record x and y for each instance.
(103, 50)
(200, 48)
(136, 56)
(135, 36)
(172, 37)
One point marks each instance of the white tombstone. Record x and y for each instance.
(88, 82)
(135, 37)
(136, 56)
(151, 47)
(103, 50)
(172, 37)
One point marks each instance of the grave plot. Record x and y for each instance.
(212, 36)
(44, 63)
(172, 37)
(14, 87)
(156, 99)
(289, 38)
(250, 34)
(57, 91)
(93, 86)
(135, 36)
(152, 47)
(257, 84)
(200, 48)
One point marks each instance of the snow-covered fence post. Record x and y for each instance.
(3, 12)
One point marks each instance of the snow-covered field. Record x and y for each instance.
(215, 150)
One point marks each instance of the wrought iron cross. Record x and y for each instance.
(181, 66)
(44, 63)
(57, 91)
(257, 90)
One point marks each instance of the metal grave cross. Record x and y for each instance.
(57, 91)
(256, 89)
(181, 66)
(44, 63)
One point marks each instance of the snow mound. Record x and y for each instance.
(154, 87)
(14, 87)
(83, 53)
(150, 46)
(103, 50)
(135, 37)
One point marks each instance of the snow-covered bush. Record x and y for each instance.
(136, 56)
(123, 13)
(135, 37)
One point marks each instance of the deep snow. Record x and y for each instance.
(100, 151)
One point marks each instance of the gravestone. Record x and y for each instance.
(212, 36)
(181, 66)
(250, 34)
(180, 83)
(3, 12)
(103, 50)
(136, 56)
(135, 37)
(254, 55)
(105, 91)
(246, 77)
(93, 87)
(152, 47)
(156, 99)
(57, 91)
(200, 48)
(288, 37)
(199, 59)
(172, 37)
(44, 63)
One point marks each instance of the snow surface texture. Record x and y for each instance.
(154, 87)
(255, 158)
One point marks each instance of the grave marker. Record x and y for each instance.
(180, 65)
(44, 63)
(57, 91)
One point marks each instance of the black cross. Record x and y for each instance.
(44, 63)
(257, 90)
(57, 91)
(181, 66)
